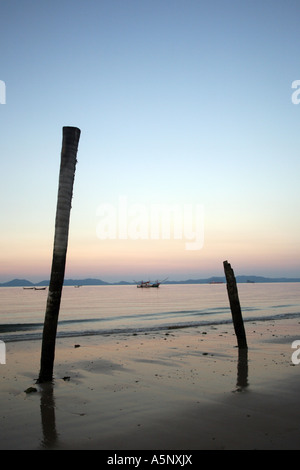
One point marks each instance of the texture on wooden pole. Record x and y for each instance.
(68, 161)
(235, 306)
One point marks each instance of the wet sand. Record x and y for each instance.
(186, 389)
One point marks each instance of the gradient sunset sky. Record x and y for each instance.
(178, 102)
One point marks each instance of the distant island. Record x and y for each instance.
(99, 282)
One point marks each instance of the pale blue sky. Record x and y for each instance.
(178, 102)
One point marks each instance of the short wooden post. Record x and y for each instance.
(235, 306)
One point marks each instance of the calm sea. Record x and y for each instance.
(105, 310)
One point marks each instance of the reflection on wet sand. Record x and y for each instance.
(50, 436)
(242, 370)
(47, 406)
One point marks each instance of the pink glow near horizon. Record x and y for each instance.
(128, 260)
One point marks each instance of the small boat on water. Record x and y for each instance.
(147, 284)
(35, 288)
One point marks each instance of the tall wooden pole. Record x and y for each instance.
(235, 306)
(70, 142)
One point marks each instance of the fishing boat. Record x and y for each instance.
(147, 284)
(35, 288)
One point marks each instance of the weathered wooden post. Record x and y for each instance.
(70, 142)
(235, 306)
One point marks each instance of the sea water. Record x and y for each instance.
(104, 310)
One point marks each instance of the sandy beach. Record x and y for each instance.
(177, 389)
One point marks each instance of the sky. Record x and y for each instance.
(190, 137)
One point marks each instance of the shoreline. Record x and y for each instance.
(176, 389)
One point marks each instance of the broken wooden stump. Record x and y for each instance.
(235, 306)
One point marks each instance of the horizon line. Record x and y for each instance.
(221, 277)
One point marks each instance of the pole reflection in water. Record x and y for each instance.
(242, 370)
(47, 406)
